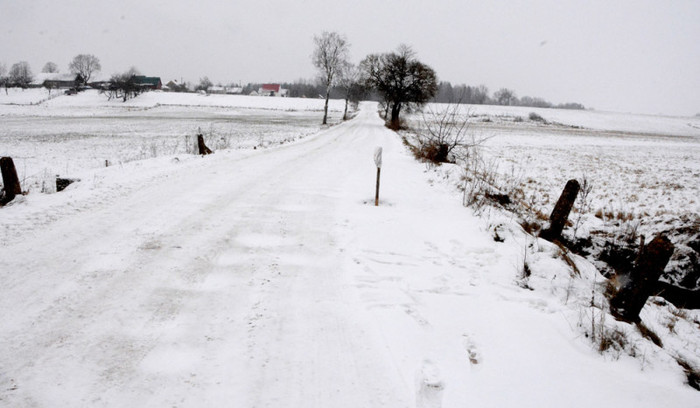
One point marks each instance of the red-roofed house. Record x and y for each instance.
(272, 90)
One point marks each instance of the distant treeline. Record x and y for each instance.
(479, 95)
(447, 93)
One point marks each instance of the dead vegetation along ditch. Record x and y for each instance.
(607, 221)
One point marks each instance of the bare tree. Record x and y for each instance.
(20, 74)
(85, 65)
(123, 86)
(445, 129)
(349, 81)
(50, 68)
(132, 71)
(204, 84)
(505, 96)
(445, 135)
(480, 95)
(330, 57)
(401, 79)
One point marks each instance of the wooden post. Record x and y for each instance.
(560, 213)
(442, 152)
(376, 194)
(629, 301)
(378, 163)
(203, 149)
(10, 181)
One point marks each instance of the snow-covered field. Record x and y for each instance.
(643, 171)
(64, 135)
(267, 278)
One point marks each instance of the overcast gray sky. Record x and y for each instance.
(630, 56)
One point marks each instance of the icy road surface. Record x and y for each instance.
(271, 280)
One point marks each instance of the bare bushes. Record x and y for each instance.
(444, 136)
(584, 203)
(444, 133)
(479, 181)
(536, 118)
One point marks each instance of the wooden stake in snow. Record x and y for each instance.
(561, 211)
(378, 163)
(10, 181)
(203, 149)
(629, 301)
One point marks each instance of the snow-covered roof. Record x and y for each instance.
(52, 76)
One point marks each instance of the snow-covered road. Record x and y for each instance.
(219, 287)
(270, 280)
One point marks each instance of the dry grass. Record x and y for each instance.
(612, 339)
(692, 373)
(564, 254)
(649, 334)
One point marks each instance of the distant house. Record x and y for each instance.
(175, 86)
(272, 90)
(147, 82)
(236, 90)
(55, 80)
(216, 90)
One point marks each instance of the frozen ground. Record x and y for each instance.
(266, 278)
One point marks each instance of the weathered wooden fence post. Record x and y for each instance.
(629, 301)
(203, 149)
(442, 151)
(10, 181)
(378, 163)
(561, 211)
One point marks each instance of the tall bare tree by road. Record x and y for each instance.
(330, 57)
(85, 65)
(349, 82)
(402, 80)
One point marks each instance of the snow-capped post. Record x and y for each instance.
(642, 282)
(10, 181)
(378, 163)
(561, 211)
(203, 149)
